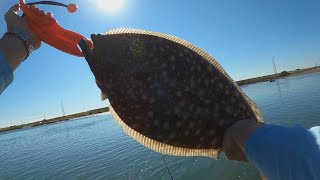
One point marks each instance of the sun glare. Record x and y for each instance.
(111, 6)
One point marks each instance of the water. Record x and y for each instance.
(97, 148)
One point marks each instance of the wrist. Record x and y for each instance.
(13, 49)
(243, 130)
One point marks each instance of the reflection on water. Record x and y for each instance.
(296, 104)
(97, 148)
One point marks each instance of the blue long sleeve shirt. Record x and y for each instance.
(285, 153)
(6, 73)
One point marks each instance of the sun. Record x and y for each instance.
(111, 6)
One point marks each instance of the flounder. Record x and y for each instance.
(167, 94)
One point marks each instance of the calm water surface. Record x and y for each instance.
(97, 148)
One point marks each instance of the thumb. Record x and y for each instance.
(14, 9)
(12, 15)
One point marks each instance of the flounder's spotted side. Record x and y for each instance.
(167, 90)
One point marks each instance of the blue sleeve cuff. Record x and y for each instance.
(285, 153)
(6, 73)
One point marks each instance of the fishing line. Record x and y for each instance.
(71, 7)
(48, 2)
(167, 166)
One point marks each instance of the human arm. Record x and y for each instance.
(12, 49)
(278, 152)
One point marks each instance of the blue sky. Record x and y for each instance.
(243, 35)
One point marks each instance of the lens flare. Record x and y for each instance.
(111, 6)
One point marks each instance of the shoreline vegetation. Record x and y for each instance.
(283, 74)
(56, 119)
(270, 78)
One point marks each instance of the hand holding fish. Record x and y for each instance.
(236, 137)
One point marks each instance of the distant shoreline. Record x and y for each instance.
(270, 78)
(57, 119)
(281, 75)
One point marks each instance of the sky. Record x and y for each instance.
(243, 35)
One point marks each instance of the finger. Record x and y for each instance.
(49, 14)
(36, 10)
(42, 13)
(14, 9)
(32, 7)
(232, 151)
(87, 52)
(12, 15)
(236, 155)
